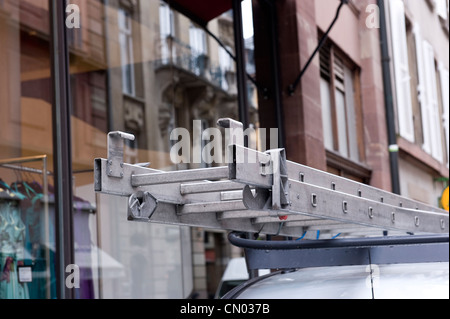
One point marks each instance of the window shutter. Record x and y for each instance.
(325, 68)
(425, 112)
(441, 8)
(432, 101)
(444, 75)
(401, 70)
(351, 114)
(325, 97)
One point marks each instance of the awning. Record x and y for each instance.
(97, 260)
(201, 11)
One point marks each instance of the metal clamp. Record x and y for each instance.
(280, 184)
(114, 166)
(141, 206)
(277, 199)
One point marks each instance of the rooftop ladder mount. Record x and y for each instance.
(260, 192)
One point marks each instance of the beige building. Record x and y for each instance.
(419, 49)
(142, 67)
(135, 66)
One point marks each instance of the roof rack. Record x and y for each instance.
(295, 254)
(260, 192)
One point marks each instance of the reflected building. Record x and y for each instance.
(135, 66)
(142, 67)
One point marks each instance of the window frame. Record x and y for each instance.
(432, 102)
(444, 90)
(197, 40)
(350, 90)
(126, 51)
(166, 31)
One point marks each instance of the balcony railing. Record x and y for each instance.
(174, 52)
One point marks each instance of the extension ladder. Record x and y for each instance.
(260, 192)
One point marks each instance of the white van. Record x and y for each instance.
(406, 267)
(235, 274)
(394, 281)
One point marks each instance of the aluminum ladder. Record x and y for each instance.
(260, 192)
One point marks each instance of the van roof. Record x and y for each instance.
(405, 281)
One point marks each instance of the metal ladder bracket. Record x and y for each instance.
(115, 153)
(275, 199)
(141, 206)
(260, 192)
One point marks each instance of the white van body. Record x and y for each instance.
(235, 274)
(393, 281)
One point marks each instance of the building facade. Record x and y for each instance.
(336, 118)
(145, 68)
(134, 66)
(419, 50)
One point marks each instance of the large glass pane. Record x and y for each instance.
(27, 236)
(143, 68)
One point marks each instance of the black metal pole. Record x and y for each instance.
(388, 100)
(276, 74)
(241, 73)
(62, 155)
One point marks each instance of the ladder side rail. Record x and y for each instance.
(254, 173)
(327, 180)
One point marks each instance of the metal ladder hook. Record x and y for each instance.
(141, 206)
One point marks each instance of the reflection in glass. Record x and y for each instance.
(143, 68)
(27, 211)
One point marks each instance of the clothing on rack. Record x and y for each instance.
(12, 251)
(40, 240)
(27, 238)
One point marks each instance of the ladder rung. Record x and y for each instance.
(209, 187)
(179, 176)
(212, 207)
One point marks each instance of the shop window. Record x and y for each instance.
(339, 106)
(126, 52)
(28, 241)
(149, 82)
